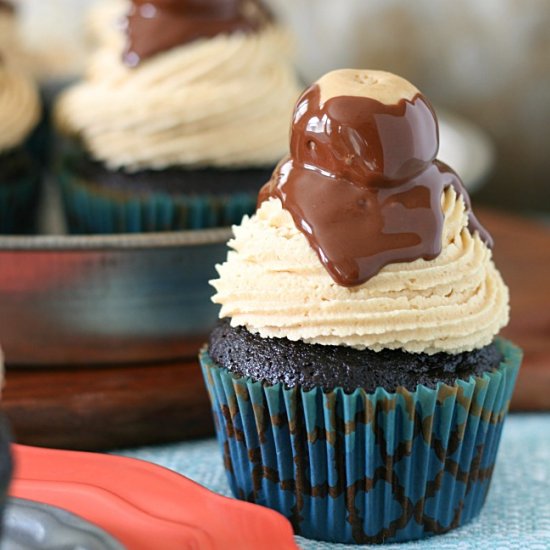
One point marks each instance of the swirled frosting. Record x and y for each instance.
(274, 284)
(19, 108)
(223, 101)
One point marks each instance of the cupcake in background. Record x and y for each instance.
(179, 123)
(19, 175)
(357, 380)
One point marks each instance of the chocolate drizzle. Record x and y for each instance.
(154, 26)
(363, 185)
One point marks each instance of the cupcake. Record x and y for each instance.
(357, 381)
(179, 122)
(19, 176)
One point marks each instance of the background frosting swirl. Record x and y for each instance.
(273, 284)
(19, 108)
(224, 101)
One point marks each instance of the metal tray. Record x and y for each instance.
(33, 525)
(70, 300)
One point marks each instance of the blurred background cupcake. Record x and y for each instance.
(19, 175)
(365, 402)
(179, 122)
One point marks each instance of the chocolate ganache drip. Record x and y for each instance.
(154, 26)
(362, 182)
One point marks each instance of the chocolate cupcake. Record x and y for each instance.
(179, 123)
(19, 175)
(357, 381)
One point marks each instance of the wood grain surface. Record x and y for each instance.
(522, 254)
(99, 408)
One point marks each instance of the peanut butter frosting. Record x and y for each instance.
(224, 101)
(273, 284)
(19, 108)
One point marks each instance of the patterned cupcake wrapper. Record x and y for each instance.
(363, 468)
(93, 208)
(18, 204)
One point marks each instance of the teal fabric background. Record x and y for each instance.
(516, 514)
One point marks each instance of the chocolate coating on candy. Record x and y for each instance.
(362, 182)
(154, 26)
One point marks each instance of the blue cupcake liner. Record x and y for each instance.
(18, 203)
(93, 208)
(363, 468)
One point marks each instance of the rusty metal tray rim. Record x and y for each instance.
(123, 241)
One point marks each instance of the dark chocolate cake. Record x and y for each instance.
(173, 181)
(274, 360)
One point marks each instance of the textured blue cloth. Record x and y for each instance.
(516, 514)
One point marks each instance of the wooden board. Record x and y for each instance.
(522, 254)
(108, 407)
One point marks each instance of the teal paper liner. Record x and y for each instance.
(18, 203)
(93, 208)
(363, 468)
